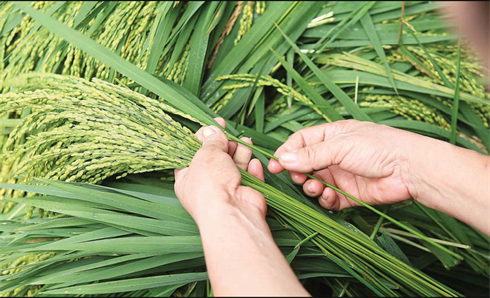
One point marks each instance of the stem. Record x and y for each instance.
(448, 243)
(378, 224)
(401, 239)
(306, 239)
(401, 24)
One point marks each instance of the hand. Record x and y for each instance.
(383, 165)
(364, 159)
(212, 181)
(241, 256)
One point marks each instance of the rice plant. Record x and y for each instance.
(135, 79)
(86, 131)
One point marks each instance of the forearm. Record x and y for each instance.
(242, 258)
(453, 180)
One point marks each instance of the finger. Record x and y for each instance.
(329, 199)
(316, 134)
(199, 135)
(294, 142)
(314, 188)
(275, 167)
(221, 121)
(347, 182)
(214, 139)
(232, 145)
(298, 177)
(243, 154)
(309, 137)
(252, 197)
(179, 173)
(255, 169)
(316, 157)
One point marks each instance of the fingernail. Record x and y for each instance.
(323, 198)
(309, 188)
(207, 131)
(289, 157)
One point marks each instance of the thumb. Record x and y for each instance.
(311, 158)
(214, 138)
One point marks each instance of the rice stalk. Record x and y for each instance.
(263, 81)
(408, 108)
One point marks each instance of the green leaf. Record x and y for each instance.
(353, 18)
(348, 103)
(135, 265)
(392, 248)
(197, 53)
(368, 25)
(130, 284)
(162, 27)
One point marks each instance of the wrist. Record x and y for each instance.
(421, 164)
(410, 155)
(449, 179)
(211, 208)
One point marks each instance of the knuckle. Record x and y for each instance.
(344, 125)
(295, 140)
(211, 148)
(178, 188)
(340, 148)
(247, 140)
(242, 165)
(204, 157)
(308, 154)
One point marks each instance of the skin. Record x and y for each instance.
(379, 165)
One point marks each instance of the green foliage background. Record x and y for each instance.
(268, 68)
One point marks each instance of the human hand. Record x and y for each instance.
(366, 160)
(211, 184)
(231, 220)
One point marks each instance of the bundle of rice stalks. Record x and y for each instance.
(88, 131)
(63, 132)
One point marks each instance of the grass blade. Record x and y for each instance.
(368, 25)
(454, 116)
(130, 284)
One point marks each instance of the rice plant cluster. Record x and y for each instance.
(100, 101)
(128, 28)
(88, 131)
